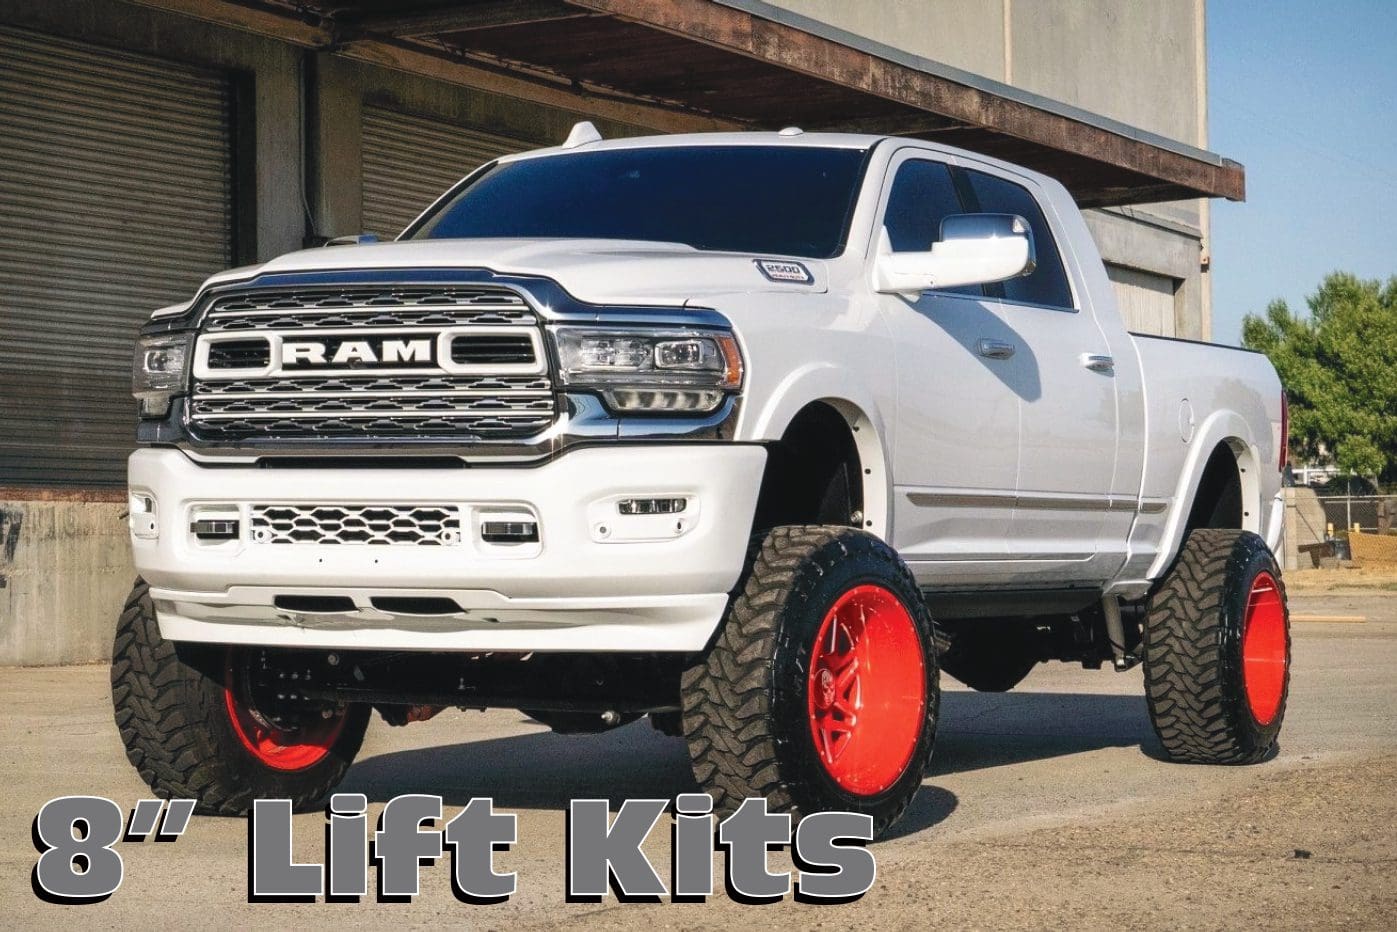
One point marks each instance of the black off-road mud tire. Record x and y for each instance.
(1217, 651)
(173, 714)
(752, 703)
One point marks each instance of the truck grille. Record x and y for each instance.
(450, 363)
(409, 525)
(309, 309)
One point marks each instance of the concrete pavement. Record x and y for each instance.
(1045, 806)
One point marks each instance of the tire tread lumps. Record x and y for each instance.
(735, 744)
(1193, 684)
(167, 714)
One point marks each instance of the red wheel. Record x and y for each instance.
(867, 690)
(1216, 642)
(291, 742)
(1264, 648)
(218, 734)
(821, 692)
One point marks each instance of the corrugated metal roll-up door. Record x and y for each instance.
(115, 199)
(409, 161)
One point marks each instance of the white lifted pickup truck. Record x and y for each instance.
(707, 428)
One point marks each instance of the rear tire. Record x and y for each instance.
(193, 729)
(786, 704)
(1217, 650)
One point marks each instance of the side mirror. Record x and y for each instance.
(974, 249)
(357, 239)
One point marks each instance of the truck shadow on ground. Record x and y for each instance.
(983, 730)
(542, 770)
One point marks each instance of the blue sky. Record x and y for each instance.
(1304, 94)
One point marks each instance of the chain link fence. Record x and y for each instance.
(1373, 514)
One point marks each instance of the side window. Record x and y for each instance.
(922, 195)
(1048, 283)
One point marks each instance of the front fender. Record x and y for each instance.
(857, 401)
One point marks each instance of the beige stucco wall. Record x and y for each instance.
(966, 34)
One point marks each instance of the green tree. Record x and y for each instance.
(1339, 367)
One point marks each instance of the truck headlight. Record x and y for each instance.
(652, 371)
(158, 371)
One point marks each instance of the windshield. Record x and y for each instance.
(786, 200)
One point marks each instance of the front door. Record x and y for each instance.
(956, 455)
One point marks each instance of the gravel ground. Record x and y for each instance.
(1313, 847)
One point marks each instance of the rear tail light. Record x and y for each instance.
(1285, 430)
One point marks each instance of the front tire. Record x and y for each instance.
(196, 726)
(821, 692)
(1217, 651)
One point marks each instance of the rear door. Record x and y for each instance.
(1068, 405)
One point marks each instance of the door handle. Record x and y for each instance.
(994, 349)
(1098, 362)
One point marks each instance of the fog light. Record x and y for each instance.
(509, 532)
(215, 523)
(651, 506)
(214, 528)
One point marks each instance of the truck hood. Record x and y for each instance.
(596, 271)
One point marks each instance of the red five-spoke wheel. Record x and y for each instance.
(821, 692)
(866, 690)
(279, 743)
(1263, 648)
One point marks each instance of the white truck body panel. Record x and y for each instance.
(1041, 468)
(591, 583)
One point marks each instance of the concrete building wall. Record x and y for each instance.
(1144, 64)
(64, 558)
(65, 565)
(1132, 62)
(966, 34)
(341, 88)
(65, 570)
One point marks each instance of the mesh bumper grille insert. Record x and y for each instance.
(384, 525)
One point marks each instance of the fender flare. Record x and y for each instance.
(1221, 427)
(852, 398)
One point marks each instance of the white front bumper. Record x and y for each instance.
(579, 588)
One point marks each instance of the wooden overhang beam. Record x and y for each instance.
(287, 25)
(1101, 162)
(486, 14)
(744, 33)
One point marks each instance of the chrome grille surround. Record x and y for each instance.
(383, 525)
(292, 399)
